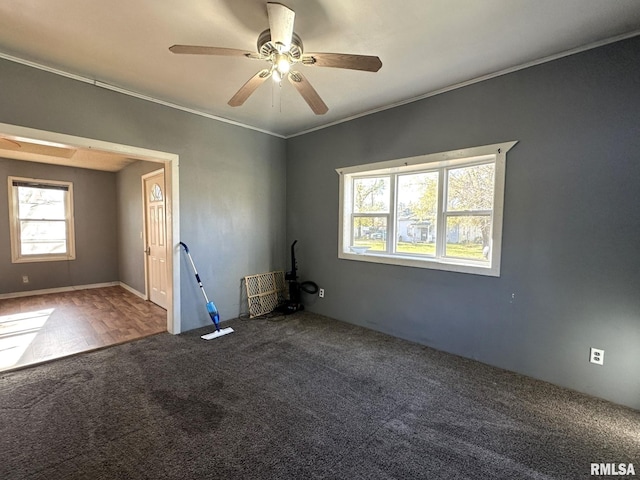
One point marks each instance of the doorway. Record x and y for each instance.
(155, 264)
(171, 196)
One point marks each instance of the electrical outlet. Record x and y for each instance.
(321, 293)
(596, 356)
(25, 279)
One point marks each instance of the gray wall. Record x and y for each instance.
(571, 223)
(570, 232)
(94, 195)
(232, 180)
(131, 223)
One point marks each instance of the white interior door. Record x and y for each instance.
(156, 238)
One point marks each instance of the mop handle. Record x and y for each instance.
(186, 249)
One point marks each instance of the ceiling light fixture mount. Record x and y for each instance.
(282, 57)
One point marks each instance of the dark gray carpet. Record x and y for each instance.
(305, 397)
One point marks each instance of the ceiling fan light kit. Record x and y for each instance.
(282, 48)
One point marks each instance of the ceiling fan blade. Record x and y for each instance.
(368, 63)
(281, 20)
(198, 50)
(308, 93)
(248, 88)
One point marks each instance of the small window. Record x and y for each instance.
(156, 193)
(441, 211)
(41, 220)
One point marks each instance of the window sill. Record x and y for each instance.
(43, 258)
(446, 264)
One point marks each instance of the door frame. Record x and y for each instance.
(143, 178)
(172, 204)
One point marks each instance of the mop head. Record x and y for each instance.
(217, 333)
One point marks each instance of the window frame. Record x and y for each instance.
(440, 162)
(14, 221)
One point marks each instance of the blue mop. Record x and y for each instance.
(211, 308)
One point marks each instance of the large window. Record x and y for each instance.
(441, 211)
(41, 220)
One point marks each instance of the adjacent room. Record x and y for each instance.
(460, 182)
(76, 278)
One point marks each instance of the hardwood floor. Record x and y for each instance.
(43, 327)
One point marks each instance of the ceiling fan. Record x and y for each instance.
(282, 48)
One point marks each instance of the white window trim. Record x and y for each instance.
(14, 223)
(466, 156)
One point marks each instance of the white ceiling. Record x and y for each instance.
(426, 46)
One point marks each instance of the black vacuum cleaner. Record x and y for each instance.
(294, 303)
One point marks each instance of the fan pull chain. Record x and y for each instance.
(273, 94)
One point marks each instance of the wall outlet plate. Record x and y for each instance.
(596, 356)
(321, 293)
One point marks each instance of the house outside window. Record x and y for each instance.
(441, 211)
(41, 220)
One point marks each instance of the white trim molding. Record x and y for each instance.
(46, 291)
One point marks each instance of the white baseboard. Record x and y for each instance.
(133, 290)
(45, 291)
